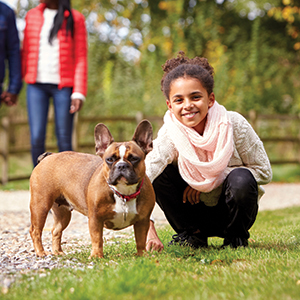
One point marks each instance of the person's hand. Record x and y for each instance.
(9, 99)
(153, 242)
(191, 195)
(76, 105)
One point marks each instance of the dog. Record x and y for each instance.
(110, 188)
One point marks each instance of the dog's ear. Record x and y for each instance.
(143, 136)
(42, 156)
(103, 138)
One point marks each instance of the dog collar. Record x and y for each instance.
(127, 198)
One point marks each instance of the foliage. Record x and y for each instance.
(254, 47)
(268, 269)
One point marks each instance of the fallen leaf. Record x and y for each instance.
(239, 259)
(215, 261)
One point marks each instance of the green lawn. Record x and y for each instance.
(268, 269)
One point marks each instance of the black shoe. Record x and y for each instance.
(193, 240)
(235, 242)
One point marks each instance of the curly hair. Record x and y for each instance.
(182, 66)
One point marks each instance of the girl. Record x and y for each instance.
(54, 64)
(207, 164)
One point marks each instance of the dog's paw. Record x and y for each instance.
(43, 253)
(56, 252)
(96, 255)
(141, 253)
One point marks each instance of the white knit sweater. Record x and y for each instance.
(48, 64)
(248, 153)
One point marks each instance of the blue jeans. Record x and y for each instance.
(38, 98)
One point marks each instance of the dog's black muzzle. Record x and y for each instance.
(122, 169)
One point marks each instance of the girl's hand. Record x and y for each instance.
(76, 105)
(153, 242)
(154, 245)
(191, 195)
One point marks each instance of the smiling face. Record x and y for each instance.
(189, 102)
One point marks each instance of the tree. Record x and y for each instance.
(254, 47)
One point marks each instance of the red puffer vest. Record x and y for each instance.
(73, 51)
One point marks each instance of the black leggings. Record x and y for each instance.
(233, 216)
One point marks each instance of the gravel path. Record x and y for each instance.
(17, 255)
(16, 251)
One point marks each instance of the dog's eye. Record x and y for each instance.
(134, 159)
(110, 160)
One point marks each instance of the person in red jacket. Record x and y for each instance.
(54, 65)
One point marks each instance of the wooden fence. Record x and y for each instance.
(7, 147)
(280, 133)
(282, 129)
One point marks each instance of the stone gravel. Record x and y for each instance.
(17, 255)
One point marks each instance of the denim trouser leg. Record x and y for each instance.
(38, 96)
(233, 216)
(37, 107)
(63, 118)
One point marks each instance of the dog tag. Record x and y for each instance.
(125, 207)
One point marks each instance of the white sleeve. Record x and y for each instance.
(251, 151)
(163, 153)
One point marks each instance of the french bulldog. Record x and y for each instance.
(110, 188)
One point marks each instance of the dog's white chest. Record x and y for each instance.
(125, 212)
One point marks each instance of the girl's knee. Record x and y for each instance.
(241, 184)
(241, 178)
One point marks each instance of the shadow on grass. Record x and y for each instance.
(277, 246)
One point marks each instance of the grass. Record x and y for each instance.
(16, 185)
(18, 165)
(268, 269)
(288, 173)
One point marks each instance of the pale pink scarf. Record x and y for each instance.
(203, 159)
